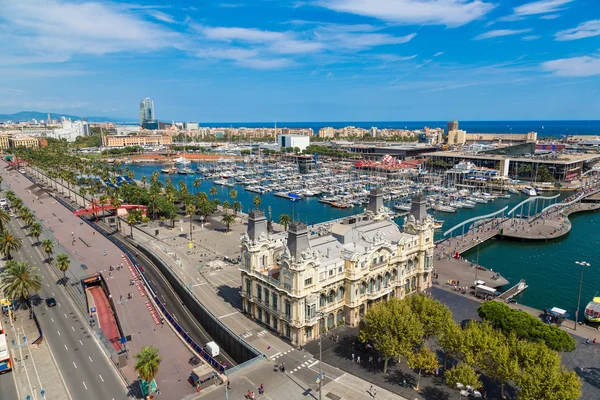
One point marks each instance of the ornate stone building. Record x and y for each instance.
(300, 282)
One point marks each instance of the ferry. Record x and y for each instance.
(529, 191)
(592, 310)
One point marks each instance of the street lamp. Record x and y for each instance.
(477, 265)
(321, 314)
(582, 264)
(122, 302)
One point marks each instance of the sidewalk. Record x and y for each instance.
(34, 368)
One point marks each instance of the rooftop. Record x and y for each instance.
(562, 158)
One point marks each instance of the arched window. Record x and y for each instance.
(378, 284)
(322, 300)
(330, 322)
(247, 259)
(330, 297)
(371, 285)
(413, 283)
(340, 317)
(407, 286)
(340, 293)
(363, 288)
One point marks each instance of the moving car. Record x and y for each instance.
(50, 302)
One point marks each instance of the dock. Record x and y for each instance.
(515, 290)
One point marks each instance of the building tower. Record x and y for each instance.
(146, 110)
(451, 126)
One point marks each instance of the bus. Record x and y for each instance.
(5, 361)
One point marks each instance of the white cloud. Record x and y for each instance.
(274, 63)
(394, 57)
(161, 16)
(583, 30)
(363, 40)
(574, 67)
(500, 33)
(60, 27)
(550, 16)
(451, 13)
(439, 53)
(530, 38)
(541, 7)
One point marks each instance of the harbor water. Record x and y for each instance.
(548, 267)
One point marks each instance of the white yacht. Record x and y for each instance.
(529, 191)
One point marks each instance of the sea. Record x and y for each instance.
(548, 267)
(550, 128)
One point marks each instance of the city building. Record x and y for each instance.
(501, 137)
(374, 152)
(300, 283)
(70, 130)
(327, 132)
(23, 141)
(146, 110)
(457, 137)
(4, 141)
(146, 140)
(451, 126)
(191, 126)
(293, 141)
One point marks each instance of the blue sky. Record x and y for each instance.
(303, 60)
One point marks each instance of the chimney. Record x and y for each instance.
(375, 200)
(297, 238)
(257, 224)
(418, 207)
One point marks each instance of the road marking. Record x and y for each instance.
(72, 328)
(58, 333)
(101, 378)
(58, 303)
(90, 359)
(51, 319)
(47, 285)
(313, 364)
(85, 386)
(81, 342)
(65, 315)
(52, 294)
(228, 315)
(74, 364)
(66, 348)
(46, 308)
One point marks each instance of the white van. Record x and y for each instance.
(212, 348)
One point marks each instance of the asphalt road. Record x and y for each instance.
(8, 389)
(172, 302)
(87, 371)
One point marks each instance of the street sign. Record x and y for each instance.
(93, 309)
(123, 340)
(191, 245)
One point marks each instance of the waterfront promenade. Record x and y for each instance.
(89, 249)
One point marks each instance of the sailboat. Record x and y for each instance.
(182, 160)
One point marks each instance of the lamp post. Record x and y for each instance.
(322, 315)
(582, 264)
(122, 303)
(477, 266)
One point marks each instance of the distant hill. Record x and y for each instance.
(23, 116)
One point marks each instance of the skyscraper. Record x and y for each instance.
(146, 111)
(451, 126)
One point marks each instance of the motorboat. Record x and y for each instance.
(443, 208)
(402, 206)
(182, 161)
(592, 310)
(437, 224)
(185, 171)
(171, 170)
(529, 191)
(513, 190)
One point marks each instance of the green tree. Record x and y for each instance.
(424, 360)
(4, 219)
(226, 206)
(190, 210)
(433, 315)
(143, 179)
(103, 201)
(464, 374)
(392, 328)
(9, 243)
(63, 262)
(213, 191)
(36, 231)
(525, 326)
(133, 217)
(147, 363)
(48, 247)
(285, 220)
(257, 200)
(228, 220)
(197, 183)
(237, 207)
(233, 194)
(451, 341)
(20, 281)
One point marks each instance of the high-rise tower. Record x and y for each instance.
(146, 110)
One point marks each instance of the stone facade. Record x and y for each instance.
(301, 282)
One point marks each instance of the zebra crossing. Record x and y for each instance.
(306, 364)
(246, 335)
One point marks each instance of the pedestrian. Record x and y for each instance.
(371, 390)
(370, 359)
(352, 357)
(248, 394)
(358, 359)
(594, 341)
(587, 341)
(261, 389)
(374, 392)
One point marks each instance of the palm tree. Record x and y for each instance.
(103, 201)
(197, 183)
(233, 194)
(257, 200)
(19, 280)
(237, 206)
(36, 231)
(4, 218)
(147, 363)
(48, 247)
(133, 217)
(285, 220)
(9, 243)
(226, 206)
(143, 180)
(190, 209)
(29, 219)
(228, 219)
(62, 260)
(213, 192)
